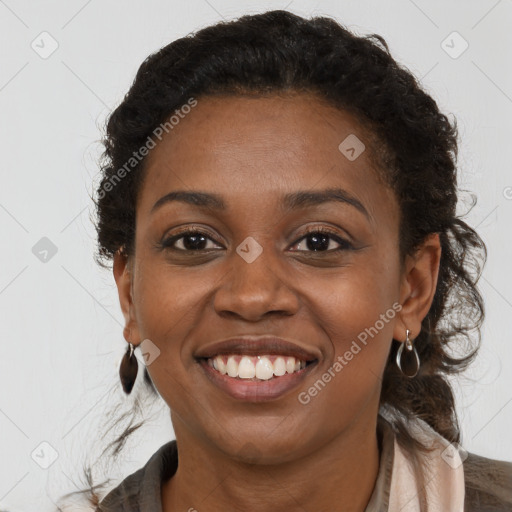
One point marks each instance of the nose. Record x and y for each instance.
(257, 289)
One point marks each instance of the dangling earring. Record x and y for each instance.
(128, 369)
(409, 348)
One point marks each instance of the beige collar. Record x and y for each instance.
(443, 487)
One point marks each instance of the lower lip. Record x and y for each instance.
(256, 391)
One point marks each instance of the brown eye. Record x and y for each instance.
(321, 240)
(191, 240)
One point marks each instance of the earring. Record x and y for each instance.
(409, 346)
(128, 369)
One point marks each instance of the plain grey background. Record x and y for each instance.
(64, 66)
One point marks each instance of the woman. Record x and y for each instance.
(278, 201)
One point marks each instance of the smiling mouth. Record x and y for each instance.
(256, 368)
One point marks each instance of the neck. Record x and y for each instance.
(340, 475)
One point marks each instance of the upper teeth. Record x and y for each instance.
(261, 367)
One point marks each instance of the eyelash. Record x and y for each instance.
(344, 244)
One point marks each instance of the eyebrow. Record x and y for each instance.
(292, 201)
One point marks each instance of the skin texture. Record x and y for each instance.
(319, 456)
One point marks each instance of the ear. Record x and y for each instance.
(123, 274)
(419, 282)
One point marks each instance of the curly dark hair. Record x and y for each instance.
(414, 147)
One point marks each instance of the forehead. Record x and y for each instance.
(249, 147)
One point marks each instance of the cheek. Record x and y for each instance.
(357, 310)
(360, 333)
(357, 317)
(354, 297)
(167, 300)
(168, 305)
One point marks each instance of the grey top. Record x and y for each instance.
(488, 482)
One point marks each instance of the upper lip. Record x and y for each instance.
(256, 345)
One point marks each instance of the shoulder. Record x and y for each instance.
(488, 484)
(124, 497)
(143, 486)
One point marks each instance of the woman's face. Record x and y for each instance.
(257, 272)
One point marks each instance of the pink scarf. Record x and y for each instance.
(444, 476)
